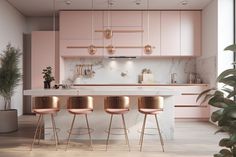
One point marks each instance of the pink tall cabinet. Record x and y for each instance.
(44, 52)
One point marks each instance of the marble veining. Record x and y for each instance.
(127, 71)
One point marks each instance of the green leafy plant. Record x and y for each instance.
(225, 116)
(9, 74)
(47, 74)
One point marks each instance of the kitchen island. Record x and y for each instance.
(99, 119)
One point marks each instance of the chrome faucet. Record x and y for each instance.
(173, 78)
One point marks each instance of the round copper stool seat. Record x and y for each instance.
(80, 105)
(150, 106)
(43, 106)
(117, 105)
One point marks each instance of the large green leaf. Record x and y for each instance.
(228, 90)
(232, 113)
(220, 102)
(225, 142)
(223, 129)
(226, 73)
(230, 81)
(224, 153)
(231, 48)
(231, 94)
(204, 92)
(217, 115)
(207, 97)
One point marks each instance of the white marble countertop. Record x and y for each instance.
(103, 91)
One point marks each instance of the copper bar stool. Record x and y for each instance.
(150, 106)
(45, 106)
(115, 105)
(80, 106)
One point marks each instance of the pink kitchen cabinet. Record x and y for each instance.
(76, 30)
(186, 105)
(190, 33)
(124, 21)
(154, 33)
(44, 52)
(170, 33)
(123, 18)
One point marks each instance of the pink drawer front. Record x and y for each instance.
(186, 100)
(192, 112)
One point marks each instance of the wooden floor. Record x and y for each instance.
(192, 139)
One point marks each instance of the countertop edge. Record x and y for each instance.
(140, 84)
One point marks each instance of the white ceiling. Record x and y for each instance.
(45, 7)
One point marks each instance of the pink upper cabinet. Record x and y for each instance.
(152, 32)
(123, 18)
(77, 25)
(190, 33)
(170, 33)
(124, 21)
(76, 30)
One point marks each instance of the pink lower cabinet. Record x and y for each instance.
(44, 51)
(186, 105)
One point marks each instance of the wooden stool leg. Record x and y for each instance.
(54, 130)
(36, 131)
(109, 130)
(72, 124)
(91, 143)
(125, 130)
(40, 131)
(161, 139)
(142, 133)
(54, 123)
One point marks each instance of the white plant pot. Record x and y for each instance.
(8, 121)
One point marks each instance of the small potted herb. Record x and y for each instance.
(48, 78)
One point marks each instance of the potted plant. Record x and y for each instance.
(225, 116)
(9, 78)
(48, 78)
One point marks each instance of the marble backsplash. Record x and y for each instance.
(128, 70)
(207, 68)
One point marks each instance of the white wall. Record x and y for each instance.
(12, 27)
(225, 34)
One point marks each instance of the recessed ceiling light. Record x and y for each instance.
(111, 2)
(184, 2)
(68, 2)
(137, 2)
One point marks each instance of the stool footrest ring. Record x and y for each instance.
(81, 131)
(148, 133)
(122, 129)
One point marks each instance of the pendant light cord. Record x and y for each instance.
(92, 20)
(148, 19)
